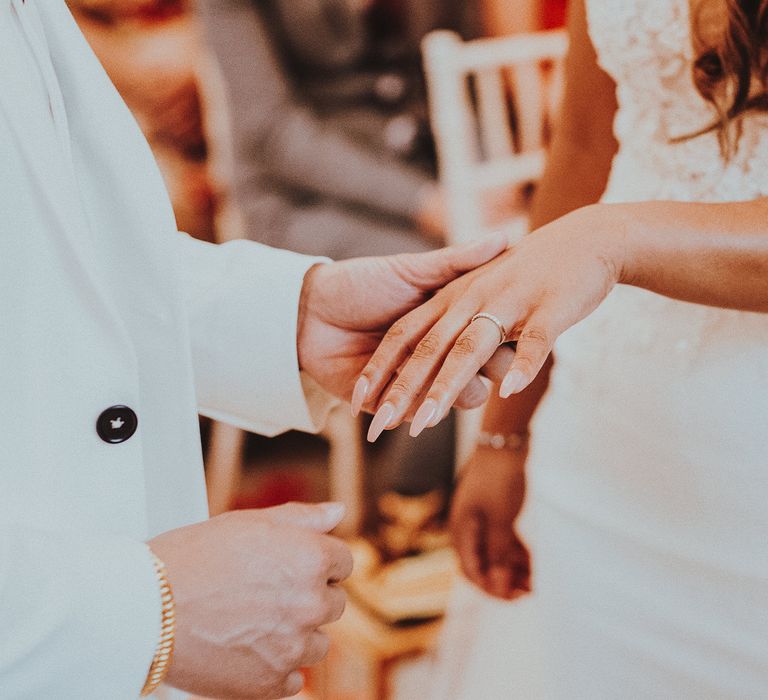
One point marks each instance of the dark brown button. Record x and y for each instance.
(116, 424)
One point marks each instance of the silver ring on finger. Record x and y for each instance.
(495, 320)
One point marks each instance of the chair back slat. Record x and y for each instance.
(492, 102)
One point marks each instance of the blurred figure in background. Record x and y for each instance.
(324, 116)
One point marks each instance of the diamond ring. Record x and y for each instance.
(495, 320)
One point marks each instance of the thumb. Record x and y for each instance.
(427, 271)
(319, 517)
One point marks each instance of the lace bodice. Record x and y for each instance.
(646, 46)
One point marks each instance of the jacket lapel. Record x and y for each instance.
(45, 151)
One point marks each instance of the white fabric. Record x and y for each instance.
(648, 505)
(102, 302)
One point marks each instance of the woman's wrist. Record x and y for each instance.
(613, 230)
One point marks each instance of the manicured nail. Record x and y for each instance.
(335, 511)
(380, 421)
(359, 394)
(423, 417)
(512, 383)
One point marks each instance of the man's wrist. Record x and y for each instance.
(161, 662)
(305, 306)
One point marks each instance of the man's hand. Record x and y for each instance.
(251, 589)
(347, 307)
(486, 504)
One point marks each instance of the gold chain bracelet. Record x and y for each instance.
(164, 653)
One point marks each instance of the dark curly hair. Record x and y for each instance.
(731, 68)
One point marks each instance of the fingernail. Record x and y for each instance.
(335, 511)
(512, 383)
(359, 393)
(423, 417)
(380, 421)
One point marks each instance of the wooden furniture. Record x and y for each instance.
(477, 91)
(364, 653)
(470, 99)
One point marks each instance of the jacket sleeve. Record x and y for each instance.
(242, 302)
(63, 597)
(275, 137)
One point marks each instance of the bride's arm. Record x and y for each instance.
(578, 163)
(714, 254)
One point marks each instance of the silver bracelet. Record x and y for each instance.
(514, 442)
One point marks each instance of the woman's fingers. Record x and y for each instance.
(474, 395)
(394, 349)
(471, 351)
(520, 565)
(498, 575)
(417, 373)
(467, 539)
(533, 348)
(496, 368)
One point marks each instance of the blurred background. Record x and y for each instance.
(345, 128)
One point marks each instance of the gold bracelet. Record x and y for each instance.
(164, 653)
(514, 442)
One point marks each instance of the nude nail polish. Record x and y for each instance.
(359, 394)
(380, 421)
(512, 383)
(424, 416)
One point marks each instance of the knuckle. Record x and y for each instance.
(465, 345)
(535, 334)
(427, 347)
(294, 652)
(398, 329)
(400, 387)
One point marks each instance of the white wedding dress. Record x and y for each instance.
(647, 514)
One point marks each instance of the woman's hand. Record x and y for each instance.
(549, 281)
(346, 307)
(486, 503)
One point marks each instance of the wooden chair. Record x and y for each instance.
(492, 103)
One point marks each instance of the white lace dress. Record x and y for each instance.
(648, 507)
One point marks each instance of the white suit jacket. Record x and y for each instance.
(103, 303)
